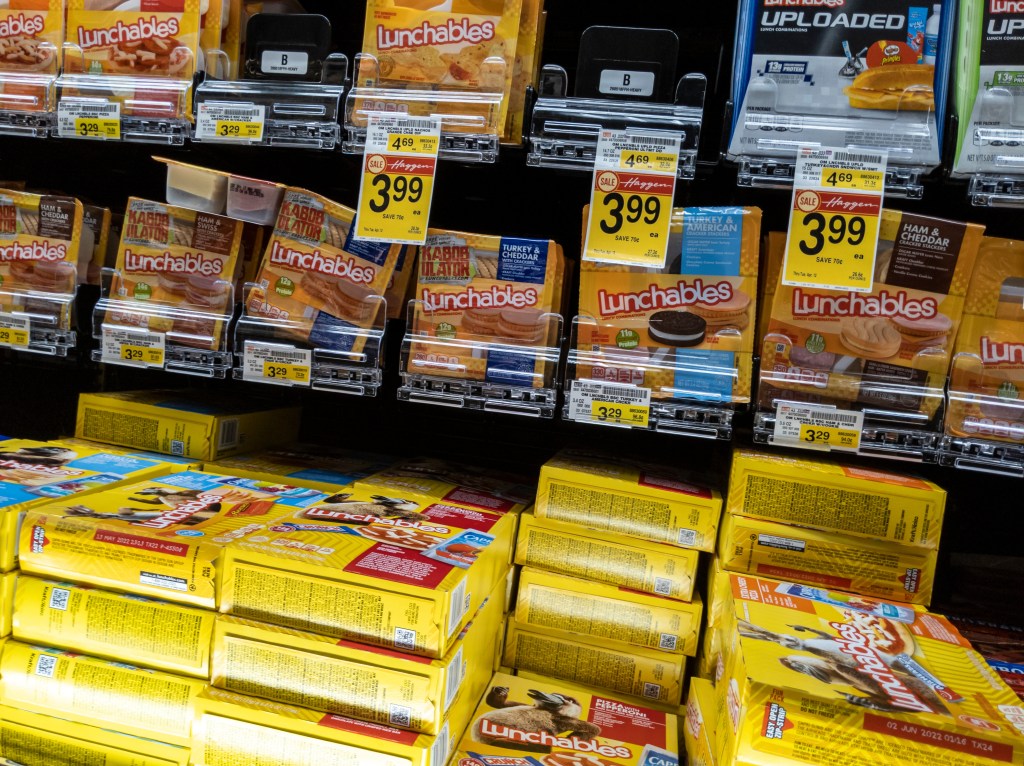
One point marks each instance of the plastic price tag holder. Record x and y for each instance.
(627, 64)
(631, 198)
(133, 347)
(610, 404)
(15, 330)
(89, 120)
(818, 427)
(229, 122)
(276, 364)
(397, 183)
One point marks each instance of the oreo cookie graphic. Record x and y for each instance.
(677, 328)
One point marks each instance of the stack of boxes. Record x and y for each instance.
(606, 595)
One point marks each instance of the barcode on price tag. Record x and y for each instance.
(280, 365)
(230, 122)
(615, 405)
(817, 427)
(133, 347)
(100, 120)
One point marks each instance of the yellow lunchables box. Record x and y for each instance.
(366, 682)
(818, 677)
(114, 626)
(570, 549)
(33, 738)
(648, 675)
(162, 538)
(842, 562)
(699, 725)
(531, 721)
(618, 495)
(143, 703)
(602, 611)
(180, 423)
(836, 498)
(322, 467)
(8, 582)
(387, 571)
(711, 643)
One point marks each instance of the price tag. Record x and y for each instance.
(631, 198)
(614, 405)
(398, 178)
(817, 427)
(133, 347)
(230, 122)
(833, 221)
(84, 120)
(15, 331)
(281, 365)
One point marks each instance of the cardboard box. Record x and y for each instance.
(328, 469)
(647, 675)
(205, 427)
(601, 611)
(8, 582)
(143, 703)
(33, 738)
(836, 498)
(357, 680)
(162, 538)
(571, 549)
(699, 725)
(114, 626)
(570, 724)
(382, 571)
(832, 680)
(632, 499)
(841, 562)
(711, 642)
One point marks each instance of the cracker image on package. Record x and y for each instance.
(115, 626)
(318, 282)
(475, 291)
(162, 538)
(986, 386)
(886, 349)
(386, 571)
(867, 682)
(174, 273)
(686, 331)
(546, 722)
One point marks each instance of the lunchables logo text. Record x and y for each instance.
(21, 24)
(452, 31)
(656, 297)
(33, 251)
(996, 352)
(183, 512)
(884, 304)
(1006, 6)
(497, 297)
(323, 263)
(49, 470)
(368, 518)
(137, 31)
(855, 644)
(495, 731)
(187, 263)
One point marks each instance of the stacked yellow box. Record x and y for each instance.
(606, 595)
(839, 527)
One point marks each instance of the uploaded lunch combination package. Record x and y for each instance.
(691, 324)
(31, 36)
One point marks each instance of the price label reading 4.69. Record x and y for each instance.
(834, 219)
(398, 178)
(631, 198)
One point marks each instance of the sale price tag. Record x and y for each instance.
(280, 365)
(15, 331)
(834, 219)
(133, 347)
(817, 427)
(631, 198)
(609, 404)
(230, 122)
(397, 182)
(89, 120)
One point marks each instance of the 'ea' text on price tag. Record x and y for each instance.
(834, 219)
(397, 182)
(280, 365)
(137, 348)
(609, 404)
(817, 428)
(631, 198)
(15, 331)
(89, 120)
(230, 122)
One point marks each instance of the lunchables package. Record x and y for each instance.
(629, 498)
(592, 554)
(143, 703)
(358, 680)
(399, 288)
(690, 324)
(34, 739)
(183, 424)
(820, 680)
(887, 349)
(863, 73)
(31, 36)
(989, 88)
(836, 498)
(174, 273)
(114, 626)
(317, 279)
(95, 229)
(700, 725)
(525, 68)
(8, 583)
(162, 538)
(475, 291)
(840, 562)
(545, 722)
(382, 570)
(986, 384)
(615, 615)
(319, 466)
(646, 674)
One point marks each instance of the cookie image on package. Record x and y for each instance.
(677, 328)
(870, 337)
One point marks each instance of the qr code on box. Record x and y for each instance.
(46, 665)
(59, 599)
(687, 537)
(668, 642)
(400, 715)
(405, 638)
(177, 448)
(662, 586)
(652, 691)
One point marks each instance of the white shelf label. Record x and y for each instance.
(280, 365)
(817, 427)
(137, 348)
(284, 62)
(610, 404)
(76, 119)
(230, 122)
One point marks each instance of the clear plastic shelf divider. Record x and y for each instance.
(37, 321)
